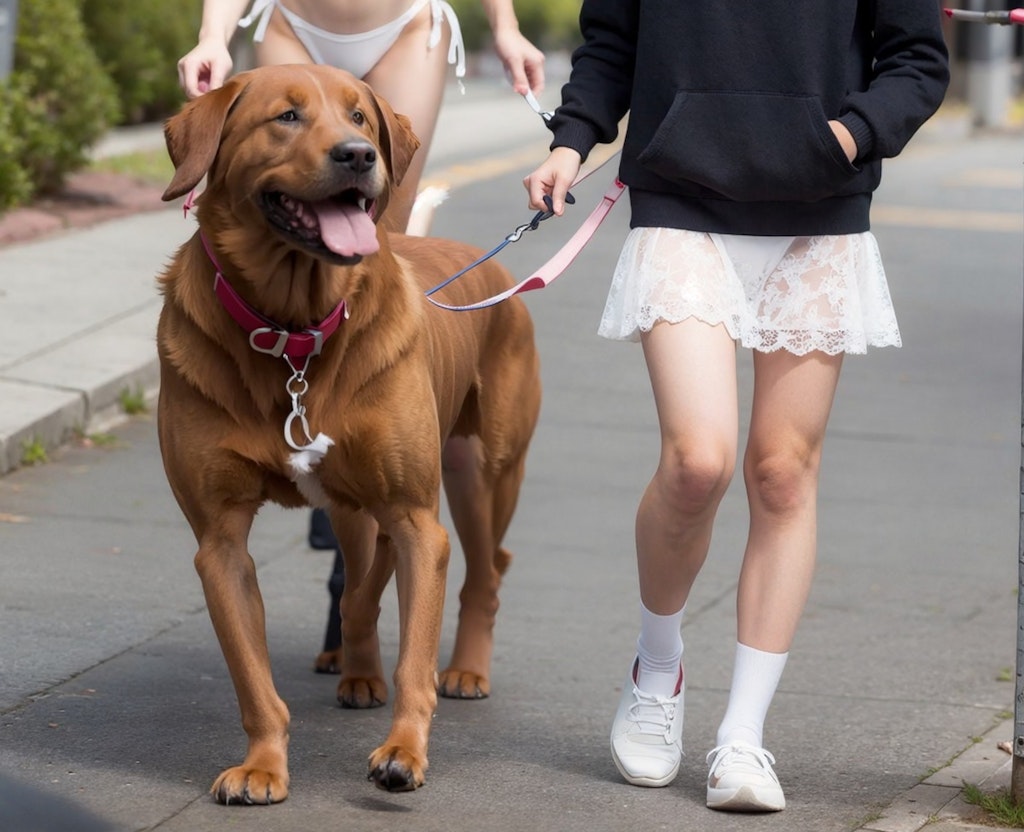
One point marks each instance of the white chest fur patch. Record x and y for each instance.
(303, 464)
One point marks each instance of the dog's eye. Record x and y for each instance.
(288, 115)
(358, 117)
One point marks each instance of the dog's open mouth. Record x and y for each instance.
(342, 224)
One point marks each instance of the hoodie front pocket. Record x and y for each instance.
(749, 147)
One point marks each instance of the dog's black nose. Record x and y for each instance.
(359, 157)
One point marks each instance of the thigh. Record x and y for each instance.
(692, 368)
(411, 78)
(793, 397)
(279, 44)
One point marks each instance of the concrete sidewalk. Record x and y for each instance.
(79, 310)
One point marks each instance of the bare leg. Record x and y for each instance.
(792, 401)
(279, 45)
(411, 78)
(692, 367)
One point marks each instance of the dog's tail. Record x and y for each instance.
(423, 208)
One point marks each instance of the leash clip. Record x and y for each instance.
(538, 218)
(297, 386)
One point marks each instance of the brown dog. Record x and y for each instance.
(301, 363)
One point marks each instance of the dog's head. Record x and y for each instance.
(308, 151)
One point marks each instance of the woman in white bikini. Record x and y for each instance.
(380, 41)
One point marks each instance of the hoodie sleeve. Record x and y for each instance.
(598, 92)
(909, 81)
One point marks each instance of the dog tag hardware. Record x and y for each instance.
(278, 349)
(287, 345)
(307, 456)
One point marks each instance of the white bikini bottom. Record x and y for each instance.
(359, 52)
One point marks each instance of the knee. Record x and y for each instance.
(783, 482)
(694, 480)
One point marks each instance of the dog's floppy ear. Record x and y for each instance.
(396, 138)
(193, 136)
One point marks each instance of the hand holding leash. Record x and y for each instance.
(548, 187)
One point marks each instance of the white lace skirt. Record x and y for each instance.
(799, 294)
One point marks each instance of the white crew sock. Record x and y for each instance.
(659, 648)
(755, 676)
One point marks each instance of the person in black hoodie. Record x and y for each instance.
(755, 140)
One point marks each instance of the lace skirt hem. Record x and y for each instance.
(800, 294)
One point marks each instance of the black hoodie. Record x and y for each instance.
(728, 105)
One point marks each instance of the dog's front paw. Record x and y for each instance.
(249, 786)
(354, 692)
(460, 684)
(396, 769)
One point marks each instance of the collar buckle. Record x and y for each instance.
(277, 350)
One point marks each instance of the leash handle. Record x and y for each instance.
(514, 237)
(563, 257)
(547, 273)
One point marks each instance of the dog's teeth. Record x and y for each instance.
(361, 202)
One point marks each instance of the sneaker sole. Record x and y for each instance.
(649, 782)
(746, 799)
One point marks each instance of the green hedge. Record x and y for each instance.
(15, 184)
(58, 99)
(139, 43)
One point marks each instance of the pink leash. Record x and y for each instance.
(547, 273)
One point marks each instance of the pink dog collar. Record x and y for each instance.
(265, 335)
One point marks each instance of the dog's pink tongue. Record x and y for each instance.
(345, 229)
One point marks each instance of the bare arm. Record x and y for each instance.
(523, 61)
(209, 63)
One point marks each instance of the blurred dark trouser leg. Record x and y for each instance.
(329, 660)
(321, 536)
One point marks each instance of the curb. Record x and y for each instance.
(937, 802)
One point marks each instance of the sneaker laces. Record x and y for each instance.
(744, 758)
(652, 714)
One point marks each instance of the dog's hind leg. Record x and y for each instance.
(228, 575)
(328, 660)
(471, 502)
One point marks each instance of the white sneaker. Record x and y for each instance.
(741, 779)
(647, 734)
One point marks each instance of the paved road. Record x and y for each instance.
(114, 699)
